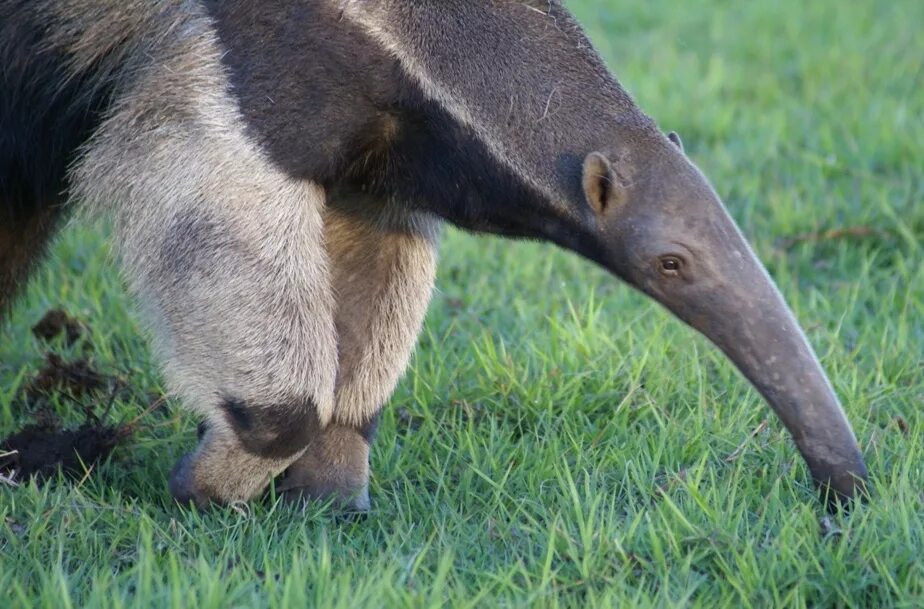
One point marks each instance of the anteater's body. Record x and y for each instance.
(277, 174)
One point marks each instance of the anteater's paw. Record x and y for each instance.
(183, 485)
(347, 496)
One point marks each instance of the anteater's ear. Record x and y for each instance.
(602, 186)
(672, 136)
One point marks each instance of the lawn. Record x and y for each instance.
(560, 440)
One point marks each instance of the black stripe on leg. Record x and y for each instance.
(275, 431)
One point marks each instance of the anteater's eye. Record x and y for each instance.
(670, 265)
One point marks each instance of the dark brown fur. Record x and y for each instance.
(24, 238)
(275, 431)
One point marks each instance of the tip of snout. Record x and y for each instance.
(843, 488)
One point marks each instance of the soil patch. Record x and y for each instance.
(76, 379)
(40, 450)
(57, 322)
(45, 445)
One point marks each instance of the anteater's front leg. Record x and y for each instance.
(242, 304)
(230, 266)
(383, 259)
(225, 251)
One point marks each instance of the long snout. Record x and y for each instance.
(745, 315)
(667, 233)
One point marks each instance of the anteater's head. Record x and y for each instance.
(658, 224)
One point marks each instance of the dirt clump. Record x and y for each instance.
(56, 322)
(42, 449)
(46, 445)
(76, 378)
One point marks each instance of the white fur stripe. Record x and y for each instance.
(435, 91)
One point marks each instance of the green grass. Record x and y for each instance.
(561, 440)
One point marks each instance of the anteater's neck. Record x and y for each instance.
(522, 75)
(480, 111)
